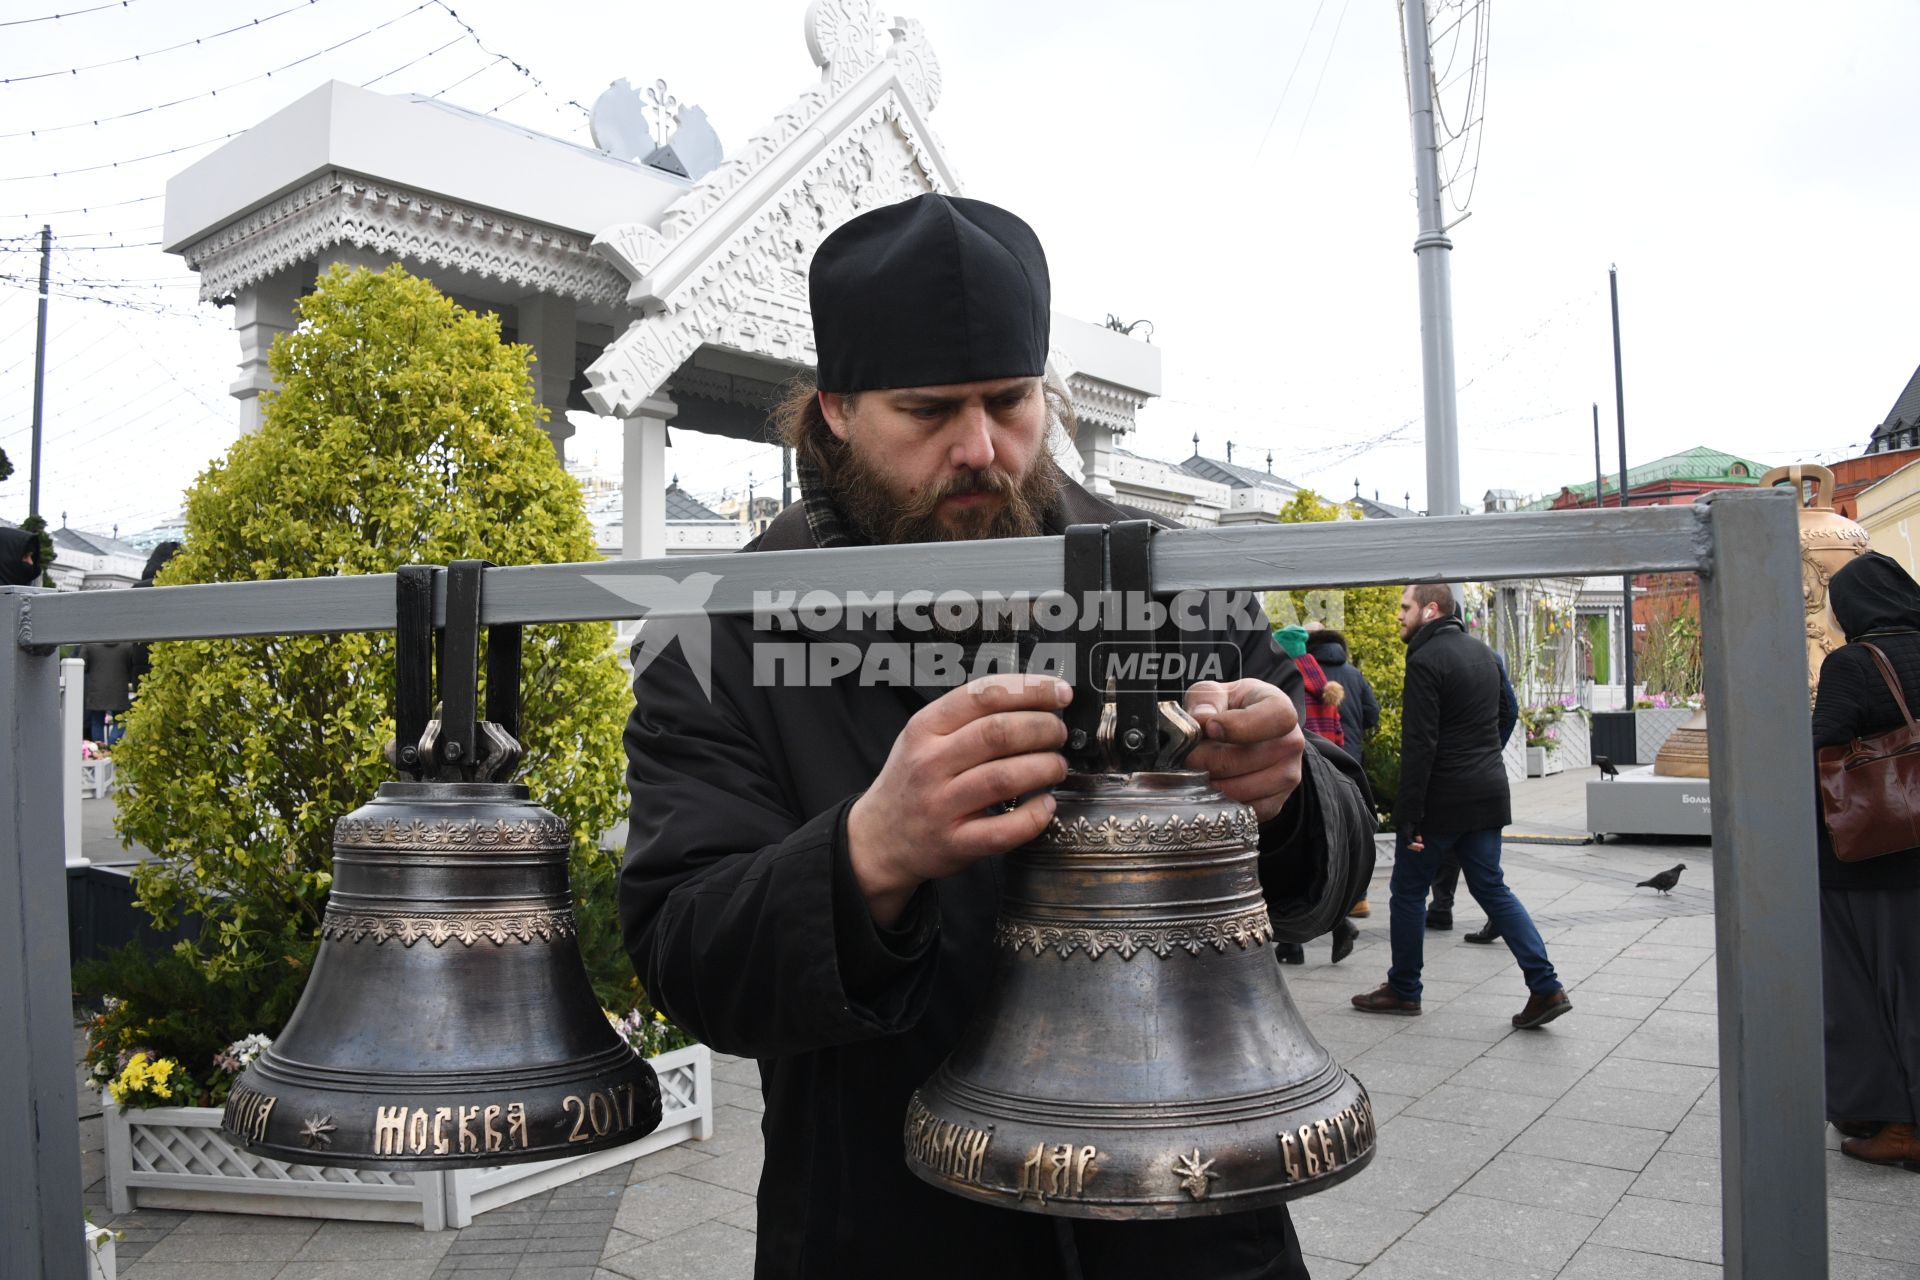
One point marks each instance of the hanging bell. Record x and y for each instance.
(449, 1021)
(1138, 1055)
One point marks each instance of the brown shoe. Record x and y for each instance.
(1360, 910)
(1383, 1000)
(1894, 1144)
(1542, 1008)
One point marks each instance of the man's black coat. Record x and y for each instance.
(745, 925)
(1452, 777)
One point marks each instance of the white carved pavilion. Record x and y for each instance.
(647, 296)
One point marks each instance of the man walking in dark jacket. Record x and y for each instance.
(813, 868)
(1453, 800)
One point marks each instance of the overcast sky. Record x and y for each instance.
(1239, 174)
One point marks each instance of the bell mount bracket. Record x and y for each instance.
(457, 745)
(1113, 725)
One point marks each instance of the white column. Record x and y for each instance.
(261, 312)
(73, 683)
(643, 480)
(1095, 441)
(547, 324)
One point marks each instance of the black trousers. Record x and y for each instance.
(1870, 956)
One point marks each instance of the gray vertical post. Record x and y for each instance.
(39, 371)
(1433, 251)
(40, 1217)
(1620, 417)
(1773, 1203)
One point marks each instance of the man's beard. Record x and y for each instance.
(880, 516)
(864, 498)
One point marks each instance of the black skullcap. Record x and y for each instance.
(932, 291)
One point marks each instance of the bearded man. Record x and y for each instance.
(813, 870)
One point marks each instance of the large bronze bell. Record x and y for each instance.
(449, 1020)
(1138, 1055)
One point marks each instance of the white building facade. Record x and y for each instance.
(648, 296)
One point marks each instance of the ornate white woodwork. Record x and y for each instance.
(341, 208)
(727, 265)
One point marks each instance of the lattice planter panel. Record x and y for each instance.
(177, 1158)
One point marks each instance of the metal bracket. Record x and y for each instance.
(456, 745)
(1141, 726)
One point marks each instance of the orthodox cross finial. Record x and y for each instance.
(1196, 444)
(1269, 462)
(1406, 499)
(1356, 487)
(662, 109)
(1229, 453)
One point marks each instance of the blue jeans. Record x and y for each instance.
(1479, 855)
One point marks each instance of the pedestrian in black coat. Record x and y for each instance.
(1869, 951)
(1453, 799)
(813, 870)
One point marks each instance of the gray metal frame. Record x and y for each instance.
(1744, 546)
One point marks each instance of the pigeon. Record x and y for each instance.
(1607, 769)
(1664, 881)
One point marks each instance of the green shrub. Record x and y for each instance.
(404, 431)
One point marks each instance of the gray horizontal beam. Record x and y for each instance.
(1259, 556)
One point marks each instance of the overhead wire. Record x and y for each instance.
(153, 53)
(1298, 58)
(225, 88)
(538, 83)
(71, 13)
(1320, 79)
(115, 164)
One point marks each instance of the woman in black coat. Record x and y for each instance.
(1869, 949)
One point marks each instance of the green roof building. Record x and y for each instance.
(1677, 478)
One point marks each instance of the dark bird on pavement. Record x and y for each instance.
(1607, 769)
(1664, 881)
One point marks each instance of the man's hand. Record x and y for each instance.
(936, 806)
(1253, 745)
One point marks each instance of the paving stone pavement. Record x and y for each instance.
(1587, 1150)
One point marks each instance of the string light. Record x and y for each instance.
(152, 53)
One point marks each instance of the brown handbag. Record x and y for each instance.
(1870, 788)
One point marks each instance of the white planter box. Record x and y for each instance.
(100, 1260)
(1541, 762)
(177, 1158)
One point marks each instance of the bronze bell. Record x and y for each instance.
(1138, 1055)
(449, 1021)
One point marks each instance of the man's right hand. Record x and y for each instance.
(935, 809)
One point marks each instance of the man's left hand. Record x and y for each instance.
(1253, 744)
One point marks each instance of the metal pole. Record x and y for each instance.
(40, 1219)
(1620, 416)
(1766, 894)
(39, 371)
(73, 684)
(1599, 485)
(1433, 250)
(786, 477)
